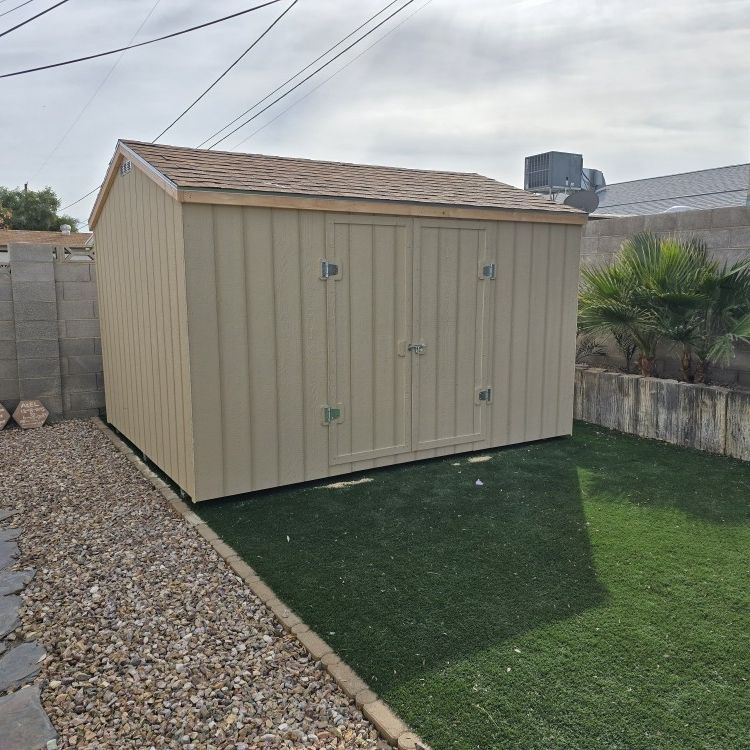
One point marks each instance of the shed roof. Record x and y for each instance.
(201, 169)
(703, 189)
(74, 239)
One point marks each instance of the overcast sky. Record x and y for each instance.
(640, 88)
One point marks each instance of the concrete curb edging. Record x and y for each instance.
(387, 723)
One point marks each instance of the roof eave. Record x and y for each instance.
(124, 152)
(355, 204)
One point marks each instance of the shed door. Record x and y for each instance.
(369, 320)
(453, 294)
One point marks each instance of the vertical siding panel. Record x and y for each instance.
(231, 312)
(519, 334)
(537, 318)
(386, 257)
(446, 405)
(259, 281)
(314, 342)
(568, 330)
(426, 329)
(156, 374)
(178, 251)
(205, 364)
(173, 354)
(500, 331)
(555, 289)
(288, 353)
(137, 396)
(138, 322)
(166, 356)
(342, 325)
(468, 340)
(360, 274)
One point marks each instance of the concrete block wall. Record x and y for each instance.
(726, 231)
(49, 332)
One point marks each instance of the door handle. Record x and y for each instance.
(417, 348)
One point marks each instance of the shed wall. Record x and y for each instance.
(258, 320)
(143, 323)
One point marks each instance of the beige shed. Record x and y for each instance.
(269, 320)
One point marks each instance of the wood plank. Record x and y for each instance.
(233, 344)
(261, 307)
(387, 208)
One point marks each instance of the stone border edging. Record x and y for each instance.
(387, 723)
(705, 417)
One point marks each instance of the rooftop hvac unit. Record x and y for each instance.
(553, 172)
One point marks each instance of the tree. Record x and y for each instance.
(669, 290)
(33, 209)
(611, 302)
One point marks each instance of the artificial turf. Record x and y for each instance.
(593, 594)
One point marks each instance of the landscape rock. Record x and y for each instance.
(9, 606)
(152, 639)
(19, 665)
(13, 581)
(23, 723)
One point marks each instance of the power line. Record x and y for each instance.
(299, 72)
(33, 18)
(16, 8)
(94, 95)
(333, 75)
(140, 44)
(195, 101)
(83, 197)
(315, 72)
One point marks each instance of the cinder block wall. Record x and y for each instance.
(49, 331)
(726, 231)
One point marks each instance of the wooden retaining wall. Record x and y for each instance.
(709, 418)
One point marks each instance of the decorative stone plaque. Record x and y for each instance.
(4, 416)
(30, 414)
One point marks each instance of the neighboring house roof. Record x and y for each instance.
(74, 239)
(706, 188)
(200, 169)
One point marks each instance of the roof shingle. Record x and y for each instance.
(200, 169)
(703, 189)
(74, 239)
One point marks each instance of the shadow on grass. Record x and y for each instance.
(420, 567)
(623, 468)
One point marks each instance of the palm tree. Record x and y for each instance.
(723, 317)
(665, 289)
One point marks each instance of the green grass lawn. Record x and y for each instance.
(594, 594)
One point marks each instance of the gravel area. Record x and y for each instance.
(152, 640)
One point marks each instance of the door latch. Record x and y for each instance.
(417, 348)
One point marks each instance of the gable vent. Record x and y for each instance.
(126, 167)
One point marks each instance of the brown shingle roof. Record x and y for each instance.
(201, 169)
(74, 239)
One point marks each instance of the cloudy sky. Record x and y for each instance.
(640, 88)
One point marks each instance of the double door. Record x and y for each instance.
(408, 328)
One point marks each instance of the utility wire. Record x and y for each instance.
(333, 75)
(134, 46)
(16, 8)
(298, 73)
(94, 95)
(255, 42)
(33, 18)
(315, 72)
(83, 197)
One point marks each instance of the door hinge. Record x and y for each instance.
(331, 414)
(485, 394)
(489, 271)
(328, 269)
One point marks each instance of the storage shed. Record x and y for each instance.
(270, 320)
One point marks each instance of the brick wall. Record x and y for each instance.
(49, 331)
(726, 231)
